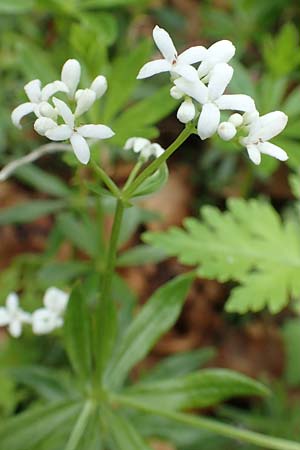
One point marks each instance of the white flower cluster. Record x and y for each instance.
(144, 147)
(202, 93)
(56, 120)
(43, 320)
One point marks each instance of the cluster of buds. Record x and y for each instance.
(54, 117)
(43, 320)
(202, 90)
(145, 148)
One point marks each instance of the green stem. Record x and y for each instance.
(186, 132)
(212, 425)
(112, 250)
(133, 174)
(80, 426)
(106, 179)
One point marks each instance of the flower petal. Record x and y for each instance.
(59, 133)
(196, 89)
(186, 111)
(271, 124)
(164, 43)
(85, 101)
(43, 124)
(80, 147)
(185, 71)
(95, 131)
(21, 111)
(64, 111)
(254, 153)
(192, 55)
(15, 328)
(70, 75)
(55, 300)
(12, 302)
(43, 321)
(4, 317)
(140, 143)
(208, 121)
(219, 79)
(236, 102)
(273, 150)
(51, 89)
(154, 67)
(221, 51)
(33, 90)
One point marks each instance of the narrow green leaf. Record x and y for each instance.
(42, 181)
(16, 6)
(197, 390)
(78, 334)
(140, 255)
(179, 364)
(29, 211)
(156, 317)
(83, 233)
(62, 272)
(26, 430)
(123, 434)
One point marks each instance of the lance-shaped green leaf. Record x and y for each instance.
(29, 211)
(179, 364)
(26, 430)
(122, 434)
(196, 390)
(140, 255)
(155, 318)
(78, 334)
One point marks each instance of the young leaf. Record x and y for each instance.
(26, 430)
(248, 243)
(179, 364)
(196, 390)
(153, 183)
(156, 317)
(78, 334)
(29, 211)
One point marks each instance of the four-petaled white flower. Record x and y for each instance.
(13, 316)
(212, 98)
(144, 147)
(172, 62)
(47, 319)
(77, 135)
(261, 130)
(38, 100)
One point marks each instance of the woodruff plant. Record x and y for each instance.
(99, 407)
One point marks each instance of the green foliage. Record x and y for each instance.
(29, 211)
(291, 335)
(248, 244)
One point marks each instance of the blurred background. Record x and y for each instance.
(40, 214)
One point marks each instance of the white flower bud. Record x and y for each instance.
(99, 85)
(78, 94)
(236, 119)
(226, 131)
(85, 100)
(176, 93)
(250, 117)
(47, 110)
(186, 111)
(70, 75)
(43, 124)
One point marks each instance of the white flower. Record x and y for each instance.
(144, 147)
(37, 96)
(172, 62)
(236, 119)
(186, 111)
(219, 52)
(212, 98)
(261, 130)
(99, 86)
(13, 316)
(226, 131)
(47, 319)
(85, 99)
(76, 135)
(176, 93)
